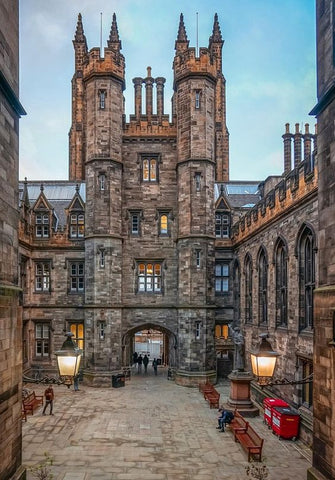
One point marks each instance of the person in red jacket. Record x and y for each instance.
(49, 399)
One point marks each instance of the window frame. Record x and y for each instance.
(222, 277)
(281, 278)
(42, 225)
(149, 283)
(76, 225)
(74, 327)
(150, 164)
(306, 263)
(220, 225)
(76, 276)
(262, 288)
(248, 304)
(44, 340)
(42, 277)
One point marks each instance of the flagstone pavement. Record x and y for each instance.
(150, 429)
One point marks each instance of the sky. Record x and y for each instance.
(268, 62)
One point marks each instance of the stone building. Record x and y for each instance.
(324, 315)
(150, 234)
(10, 305)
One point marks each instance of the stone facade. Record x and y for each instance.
(10, 305)
(324, 333)
(149, 233)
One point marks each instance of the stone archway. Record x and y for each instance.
(169, 343)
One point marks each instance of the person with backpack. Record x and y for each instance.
(225, 418)
(49, 399)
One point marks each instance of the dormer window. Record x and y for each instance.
(42, 225)
(77, 225)
(102, 99)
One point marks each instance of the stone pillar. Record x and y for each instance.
(148, 97)
(307, 142)
(138, 97)
(160, 98)
(297, 145)
(240, 393)
(287, 137)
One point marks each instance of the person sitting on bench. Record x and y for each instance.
(225, 417)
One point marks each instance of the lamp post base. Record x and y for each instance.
(240, 393)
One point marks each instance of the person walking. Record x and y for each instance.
(154, 364)
(145, 363)
(76, 382)
(139, 363)
(135, 357)
(49, 399)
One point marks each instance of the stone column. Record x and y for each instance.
(148, 89)
(160, 98)
(307, 142)
(287, 137)
(297, 145)
(138, 97)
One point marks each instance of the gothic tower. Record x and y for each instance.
(199, 86)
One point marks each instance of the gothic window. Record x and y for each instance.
(102, 99)
(42, 340)
(77, 225)
(77, 277)
(197, 99)
(262, 288)
(149, 277)
(42, 276)
(306, 255)
(102, 260)
(197, 179)
(42, 225)
(306, 370)
(102, 182)
(163, 224)
(135, 222)
(281, 284)
(149, 169)
(236, 291)
(221, 278)
(221, 331)
(77, 329)
(222, 225)
(248, 289)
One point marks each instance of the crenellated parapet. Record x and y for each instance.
(112, 64)
(289, 192)
(188, 63)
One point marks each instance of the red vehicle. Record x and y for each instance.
(268, 404)
(285, 422)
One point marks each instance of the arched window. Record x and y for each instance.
(306, 256)
(262, 288)
(236, 291)
(248, 289)
(281, 283)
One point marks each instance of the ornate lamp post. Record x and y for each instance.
(68, 360)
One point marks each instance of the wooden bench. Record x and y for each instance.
(30, 401)
(238, 423)
(250, 441)
(213, 398)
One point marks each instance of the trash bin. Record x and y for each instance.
(285, 422)
(118, 380)
(268, 404)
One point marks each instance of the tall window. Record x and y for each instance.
(197, 99)
(42, 340)
(78, 334)
(306, 278)
(222, 223)
(248, 289)
(281, 284)
(262, 288)
(307, 388)
(221, 331)
(149, 277)
(42, 276)
(77, 226)
(197, 179)
(102, 181)
(102, 99)
(77, 279)
(149, 169)
(42, 225)
(221, 277)
(163, 224)
(236, 291)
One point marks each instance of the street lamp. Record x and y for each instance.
(263, 363)
(68, 360)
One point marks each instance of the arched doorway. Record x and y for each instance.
(150, 339)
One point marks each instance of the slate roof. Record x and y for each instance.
(239, 194)
(58, 193)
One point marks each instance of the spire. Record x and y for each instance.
(114, 41)
(25, 196)
(79, 37)
(182, 41)
(216, 36)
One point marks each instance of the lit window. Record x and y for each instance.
(221, 331)
(150, 277)
(77, 278)
(42, 340)
(42, 225)
(42, 277)
(78, 334)
(221, 277)
(164, 224)
(77, 226)
(149, 169)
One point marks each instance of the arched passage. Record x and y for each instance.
(150, 333)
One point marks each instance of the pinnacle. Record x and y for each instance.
(79, 35)
(182, 36)
(216, 37)
(114, 39)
